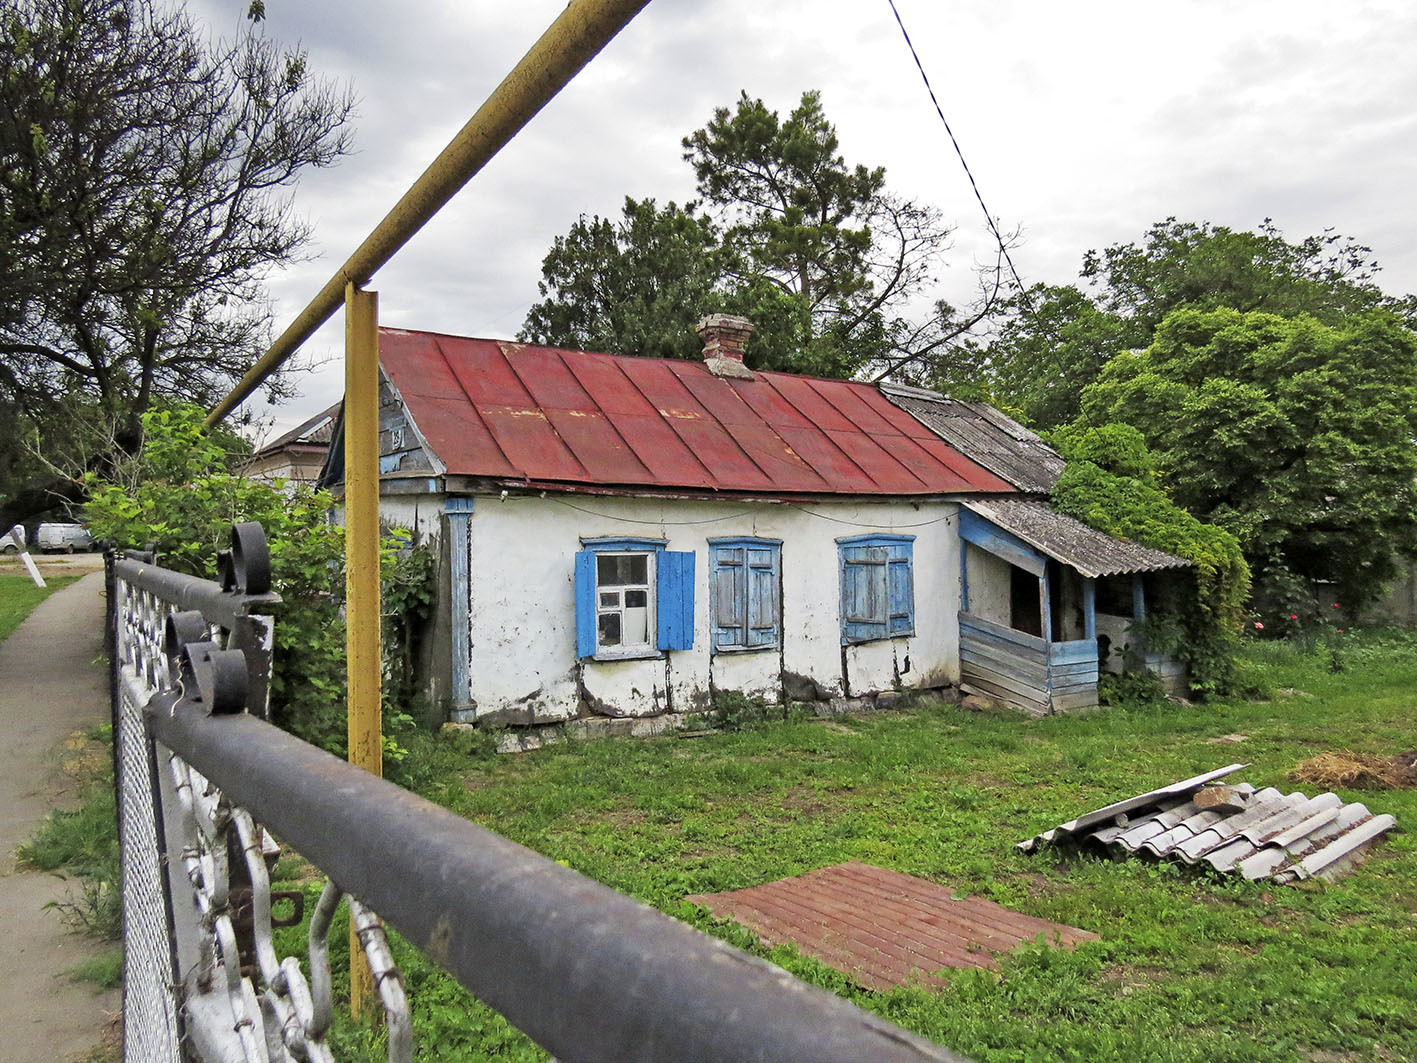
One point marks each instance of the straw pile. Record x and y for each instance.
(1358, 771)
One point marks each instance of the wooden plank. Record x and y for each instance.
(1005, 653)
(990, 537)
(1079, 700)
(1014, 685)
(978, 686)
(1017, 649)
(1073, 651)
(1025, 646)
(1076, 668)
(1004, 665)
(1001, 631)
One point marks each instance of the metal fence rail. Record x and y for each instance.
(588, 973)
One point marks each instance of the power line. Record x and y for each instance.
(988, 218)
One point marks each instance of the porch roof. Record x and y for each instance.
(1091, 552)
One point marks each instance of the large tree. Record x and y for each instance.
(1295, 435)
(145, 180)
(1054, 340)
(833, 269)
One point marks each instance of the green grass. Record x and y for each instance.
(19, 596)
(1190, 966)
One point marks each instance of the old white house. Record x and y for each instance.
(625, 536)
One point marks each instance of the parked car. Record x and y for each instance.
(55, 537)
(7, 544)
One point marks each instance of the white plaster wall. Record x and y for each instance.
(989, 585)
(523, 609)
(422, 514)
(1119, 630)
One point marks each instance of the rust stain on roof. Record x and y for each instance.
(883, 928)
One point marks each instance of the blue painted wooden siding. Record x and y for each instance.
(585, 604)
(459, 512)
(877, 587)
(989, 536)
(675, 599)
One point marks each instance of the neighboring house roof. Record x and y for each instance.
(999, 443)
(313, 435)
(557, 418)
(1091, 552)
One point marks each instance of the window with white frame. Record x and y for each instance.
(634, 598)
(745, 593)
(877, 587)
(624, 607)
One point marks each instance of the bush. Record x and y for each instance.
(180, 494)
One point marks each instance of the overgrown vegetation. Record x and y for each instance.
(1191, 967)
(1110, 483)
(181, 494)
(82, 844)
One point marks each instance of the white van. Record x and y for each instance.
(66, 538)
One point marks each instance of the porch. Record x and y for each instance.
(1048, 603)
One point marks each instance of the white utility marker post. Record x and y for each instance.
(25, 557)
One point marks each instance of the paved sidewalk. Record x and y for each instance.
(53, 682)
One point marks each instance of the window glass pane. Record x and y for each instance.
(610, 599)
(636, 627)
(610, 629)
(607, 570)
(636, 599)
(616, 570)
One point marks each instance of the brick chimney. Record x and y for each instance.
(724, 338)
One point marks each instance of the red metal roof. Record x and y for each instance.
(541, 415)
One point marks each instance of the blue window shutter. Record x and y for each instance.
(863, 593)
(675, 604)
(727, 595)
(585, 604)
(902, 597)
(761, 593)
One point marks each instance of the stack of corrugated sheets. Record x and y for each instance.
(1236, 828)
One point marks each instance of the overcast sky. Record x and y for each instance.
(1083, 123)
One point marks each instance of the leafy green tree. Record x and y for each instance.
(829, 266)
(1052, 342)
(145, 177)
(1294, 435)
(627, 286)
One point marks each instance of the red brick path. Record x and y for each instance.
(882, 928)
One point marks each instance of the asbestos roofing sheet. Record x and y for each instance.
(1273, 835)
(539, 414)
(1093, 553)
(997, 442)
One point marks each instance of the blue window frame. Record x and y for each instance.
(634, 598)
(877, 587)
(745, 597)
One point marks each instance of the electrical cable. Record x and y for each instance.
(988, 218)
(746, 513)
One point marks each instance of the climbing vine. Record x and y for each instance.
(1110, 483)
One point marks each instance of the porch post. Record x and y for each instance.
(1089, 607)
(1045, 606)
(459, 510)
(963, 576)
(1138, 597)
